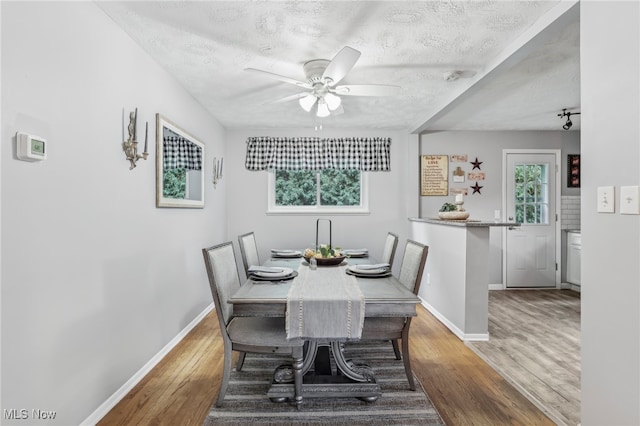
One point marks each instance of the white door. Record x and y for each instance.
(530, 199)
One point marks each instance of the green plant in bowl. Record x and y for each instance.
(448, 207)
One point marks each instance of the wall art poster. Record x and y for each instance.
(434, 175)
(456, 191)
(476, 176)
(458, 175)
(573, 171)
(459, 158)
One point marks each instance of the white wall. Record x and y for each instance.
(387, 200)
(610, 58)
(95, 279)
(488, 147)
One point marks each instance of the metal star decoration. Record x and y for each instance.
(476, 188)
(476, 164)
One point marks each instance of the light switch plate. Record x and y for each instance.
(630, 199)
(606, 199)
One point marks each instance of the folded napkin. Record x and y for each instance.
(267, 269)
(374, 266)
(364, 250)
(284, 251)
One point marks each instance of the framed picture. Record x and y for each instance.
(179, 167)
(573, 171)
(434, 175)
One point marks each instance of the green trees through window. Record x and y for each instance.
(532, 193)
(330, 187)
(174, 183)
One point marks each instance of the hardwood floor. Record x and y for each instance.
(463, 388)
(535, 344)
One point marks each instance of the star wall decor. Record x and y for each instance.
(476, 164)
(476, 188)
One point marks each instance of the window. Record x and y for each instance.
(532, 193)
(325, 191)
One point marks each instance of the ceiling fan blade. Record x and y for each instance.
(341, 64)
(290, 98)
(280, 77)
(366, 90)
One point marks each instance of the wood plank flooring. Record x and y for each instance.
(535, 344)
(463, 388)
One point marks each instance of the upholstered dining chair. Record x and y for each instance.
(394, 328)
(245, 334)
(249, 250)
(389, 249)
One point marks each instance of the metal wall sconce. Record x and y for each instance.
(217, 170)
(130, 146)
(564, 113)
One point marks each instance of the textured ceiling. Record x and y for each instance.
(520, 59)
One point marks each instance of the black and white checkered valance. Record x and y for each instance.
(181, 153)
(309, 153)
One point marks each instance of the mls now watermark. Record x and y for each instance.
(24, 414)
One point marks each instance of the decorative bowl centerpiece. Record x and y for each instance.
(450, 211)
(325, 255)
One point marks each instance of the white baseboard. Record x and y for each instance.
(569, 286)
(474, 337)
(106, 406)
(498, 286)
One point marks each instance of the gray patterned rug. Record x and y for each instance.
(246, 401)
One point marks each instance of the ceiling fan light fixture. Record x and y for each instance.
(332, 101)
(307, 102)
(323, 109)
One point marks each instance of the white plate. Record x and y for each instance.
(376, 271)
(356, 253)
(264, 274)
(286, 253)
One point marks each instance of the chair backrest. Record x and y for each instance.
(413, 261)
(249, 250)
(389, 250)
(220, 261)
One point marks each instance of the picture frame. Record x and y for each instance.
(434, 175)
(179, 166)
(573, 170)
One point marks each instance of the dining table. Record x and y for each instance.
(326, 372)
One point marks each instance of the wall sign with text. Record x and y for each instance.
(434, 175)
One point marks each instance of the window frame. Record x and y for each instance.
(362, 209)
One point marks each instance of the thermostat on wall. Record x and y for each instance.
(31, 147)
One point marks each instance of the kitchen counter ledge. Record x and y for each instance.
(464, 223)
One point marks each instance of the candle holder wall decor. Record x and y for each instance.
(217, 170)
(130, 146)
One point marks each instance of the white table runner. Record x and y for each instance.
(325, 304)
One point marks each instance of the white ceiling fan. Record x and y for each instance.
(322, 91)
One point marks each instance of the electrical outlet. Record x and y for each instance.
(606, 199)
(629, 200)
(428, 278)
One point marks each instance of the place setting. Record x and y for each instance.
(271, 273)
(285, 254)
(377, 270)
(356, 253)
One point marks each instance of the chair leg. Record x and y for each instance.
(297, 375)
(396, 350)
(225, 374)
(240, 362)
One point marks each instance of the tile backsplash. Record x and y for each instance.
(570, 211)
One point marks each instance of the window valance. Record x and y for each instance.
(313, 153)
(181, 153)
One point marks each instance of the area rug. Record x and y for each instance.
(246, 401)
